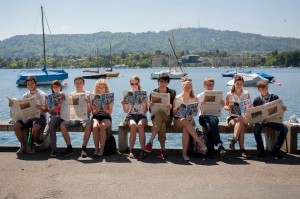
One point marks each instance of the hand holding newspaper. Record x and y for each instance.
(212, 103)
(136, 97)
(160, 102)
(74, 107)
(54, 102)
(239, 108)
(23, 109)
(271, 112)
(187, 111)
(100, 100)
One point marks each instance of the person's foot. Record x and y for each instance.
(162, 154)
(68, 151)
(148, 147)
(84, 153)
(38, 142)
(244, 153)
(203, 148)
(221, 150)
(21, 150)
(277, 154)
(53, 154)
(131, 154)
(232, 143)
(143, 154)
(100, 154)
(261, 153)
(185, 157)
(32, 150)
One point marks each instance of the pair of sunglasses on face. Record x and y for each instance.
(134, 84)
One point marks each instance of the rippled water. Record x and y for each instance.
(289, 92)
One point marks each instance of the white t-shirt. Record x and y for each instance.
(233, 97)
(40, 97)
(200, 98)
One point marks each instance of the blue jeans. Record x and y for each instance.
(258, 127)
(210, 124)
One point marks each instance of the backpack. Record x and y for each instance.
(110, 145)
(194, 147)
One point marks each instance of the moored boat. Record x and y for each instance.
(267, 76)
(249, 79)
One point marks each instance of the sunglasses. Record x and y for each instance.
(187, 80)
(134, 84)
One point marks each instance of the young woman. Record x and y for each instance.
(237, 94)
(186, 124)
(137, 119)
(54, 120)
(101, 119)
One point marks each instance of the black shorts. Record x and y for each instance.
(102, 117)
(29, 123)
(230, 118)
(137, 118)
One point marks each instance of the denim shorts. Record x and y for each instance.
(72, 123)
(137, 118)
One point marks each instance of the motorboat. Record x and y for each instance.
(267, 76)
(173, 74)
(95, 76)
(249, 79)
(43, 76)
(231, 73)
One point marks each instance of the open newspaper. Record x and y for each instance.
(54, 102)
(187, 111)
(136, 97)
(24, 109)
(239, 108)
(101, 100)
(271, 111)
(74, 107)
(160, 102)
(212, 103)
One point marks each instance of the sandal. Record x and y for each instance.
(244, 153)
(143, 154)
(231, 145)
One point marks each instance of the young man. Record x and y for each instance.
(274, 123)
(160, 119)
(35, 123)
(210, 122)
(79, 84)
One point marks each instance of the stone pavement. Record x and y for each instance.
(117, 176)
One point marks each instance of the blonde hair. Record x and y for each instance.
(135, 77)
(208, 79)
(101, 81)
(192, 95)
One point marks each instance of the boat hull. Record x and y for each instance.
(41, 76)
(112, 74)
(172, 74)
(98, 76)
(249, 79)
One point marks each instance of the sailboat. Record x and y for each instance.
(109, 71)
(43, 76)
(173, 73)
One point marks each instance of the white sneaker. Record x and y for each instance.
(21, 150)
(83, 154)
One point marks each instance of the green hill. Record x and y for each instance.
(191, 39)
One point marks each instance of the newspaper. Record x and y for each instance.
(160, 102)
(239, 108)
(100, 100)
(271, 112)
(74, 107)
(212, 103)
(54, 102)
(187, 111)
(136, 97)
(23, 109)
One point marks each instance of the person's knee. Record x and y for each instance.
(17, 126)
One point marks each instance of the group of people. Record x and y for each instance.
(137, 119)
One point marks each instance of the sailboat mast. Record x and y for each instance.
(43, 34)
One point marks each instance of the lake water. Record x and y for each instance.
(289, 91)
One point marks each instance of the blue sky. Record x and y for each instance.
(265, 17)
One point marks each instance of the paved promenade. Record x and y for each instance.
(38, 176)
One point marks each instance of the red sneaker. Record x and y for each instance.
(162, 154)
(148, 147)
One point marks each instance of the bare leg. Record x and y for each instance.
(65, 134)
(36, 131)
(142, 136)
(87, 134)
(185, 143)
(96, 135)
(132, 137)
(103, 126)
(19, 133)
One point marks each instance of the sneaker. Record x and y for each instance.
(277, 154)
(131, 154)
(68, 151)
(261, 153)
(231, 145)
(39, 142)
(244, 153)
(221, 150)
(148, 147)
(21, 150)
(143, 154)
(162, 154)
(84, 153)
(53, 154)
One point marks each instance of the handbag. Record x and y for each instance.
(110, 145)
